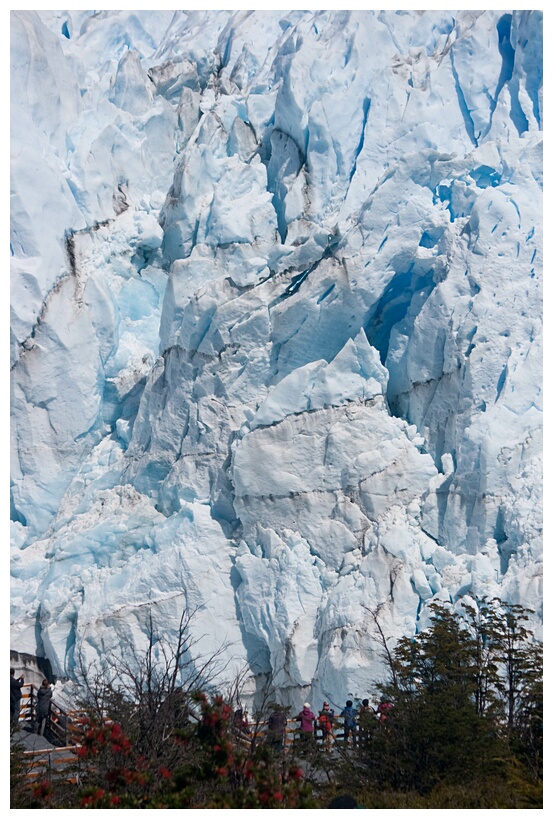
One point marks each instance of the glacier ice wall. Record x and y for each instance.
(276, 330)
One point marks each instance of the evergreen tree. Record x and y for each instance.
(435, 733)
(467, 696)
(487, 696)
(505, 627)
(510, 675)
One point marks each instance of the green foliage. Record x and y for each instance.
(526, 736)
(434, 733)
(491, 793)
(467, 703)
(20, 794)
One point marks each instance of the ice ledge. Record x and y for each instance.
(355, 373)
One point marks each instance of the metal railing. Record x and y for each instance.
(257, 732)
(44, 764)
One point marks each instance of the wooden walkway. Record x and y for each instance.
(55, 752)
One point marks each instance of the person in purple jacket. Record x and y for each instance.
(306, 719)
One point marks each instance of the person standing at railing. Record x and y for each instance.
(350, 724)
(384, 709)
(240, 723)
(326, 720)
(276, 728)
(15, 697)
(366, 718)
(44, 697)
(238, 719)
(306, 718)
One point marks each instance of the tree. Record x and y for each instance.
(487, 682)
(158, 735)
(510, 674)
(466, 696)
(505, 628)
(149, 692)
(444, 738)
(434, 733)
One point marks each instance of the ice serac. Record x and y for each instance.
(276, 294)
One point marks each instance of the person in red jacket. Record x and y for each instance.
(325, 720)
(384, 709)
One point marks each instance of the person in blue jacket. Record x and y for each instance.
(350, 723)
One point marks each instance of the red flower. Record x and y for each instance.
(221, 771)
(42, 791)
(277, 796)
(165, 773)
(115, 800)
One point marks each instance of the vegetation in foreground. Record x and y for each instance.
(465, 731)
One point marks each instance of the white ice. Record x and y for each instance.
(276, 334)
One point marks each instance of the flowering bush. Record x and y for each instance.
(211, 768)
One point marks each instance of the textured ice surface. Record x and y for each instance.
(276, 332)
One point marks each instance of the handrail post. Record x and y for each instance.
(32, 708)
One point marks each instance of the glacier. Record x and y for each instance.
(276, 332)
